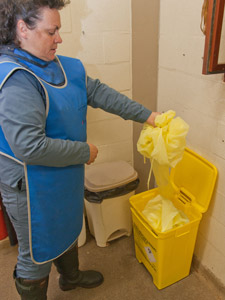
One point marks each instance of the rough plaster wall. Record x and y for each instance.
(200, 101)
(99, 33)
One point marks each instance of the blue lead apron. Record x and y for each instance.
(55, 194)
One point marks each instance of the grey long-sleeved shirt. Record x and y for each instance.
(23, 118)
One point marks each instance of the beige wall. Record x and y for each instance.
(99, 33)
(200, 101)
(145, 28)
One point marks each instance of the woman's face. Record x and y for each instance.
(41, 41)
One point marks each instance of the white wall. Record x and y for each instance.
(200, 101)
(99, 33)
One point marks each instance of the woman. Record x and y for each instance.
(43, 103)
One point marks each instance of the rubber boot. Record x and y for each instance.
(71, 277)
(32, 289)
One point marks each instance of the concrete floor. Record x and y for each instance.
(125, 278)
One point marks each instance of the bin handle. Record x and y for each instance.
(182, 233)
(153, 232)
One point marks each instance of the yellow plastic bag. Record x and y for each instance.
(164, 145)
(163, 215)
(166, 142)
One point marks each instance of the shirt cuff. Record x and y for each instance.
(145, 115)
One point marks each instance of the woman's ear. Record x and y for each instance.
(22, 30)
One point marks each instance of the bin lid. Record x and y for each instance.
(109, 175)
(195, 179)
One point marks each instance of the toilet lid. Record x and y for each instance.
(105, 176)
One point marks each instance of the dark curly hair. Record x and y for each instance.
(27, 10)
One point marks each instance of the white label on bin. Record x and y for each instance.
(150, 255)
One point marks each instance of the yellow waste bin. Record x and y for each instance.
(168, 255)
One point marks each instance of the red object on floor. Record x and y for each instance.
(3, 229)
